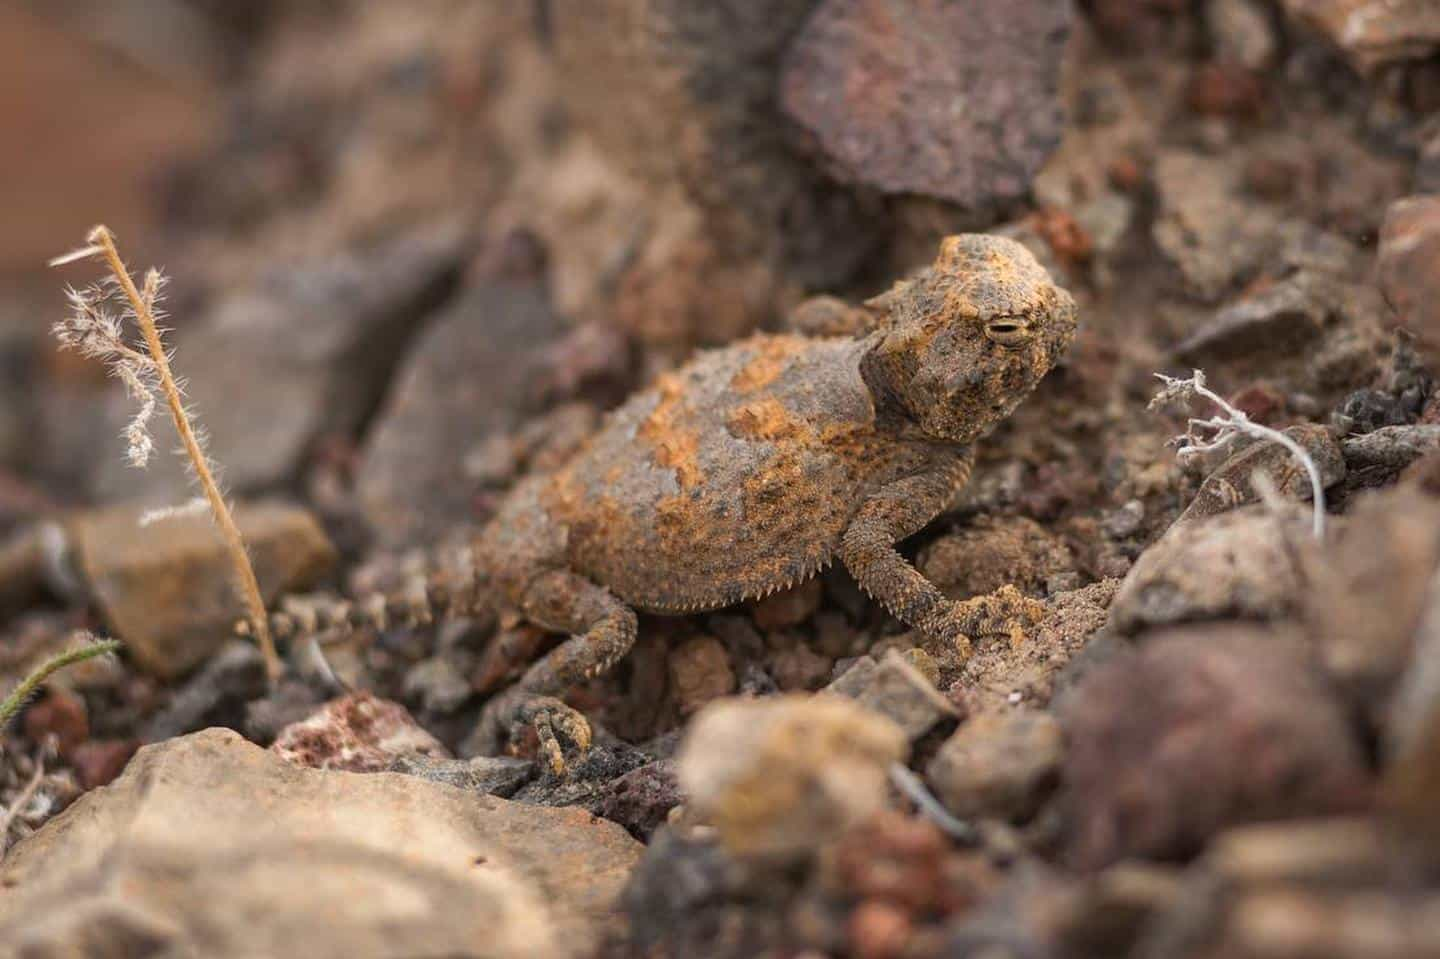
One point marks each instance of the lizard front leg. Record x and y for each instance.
(868, 551)
(604, 631)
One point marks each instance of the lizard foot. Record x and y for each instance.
(1005, 612)
(556, 725)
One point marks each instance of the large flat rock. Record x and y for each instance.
(210, 845)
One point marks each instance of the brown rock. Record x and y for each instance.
(878, 86)
(476, 371)
(1197, 730)
(1408, 265)
(1373, 32)
(699, 672)
(796, 667)
(395, 865)
(780, 776)
(992, 552)
(22, 569)
(60, 714)
(356, 733)
(789, 607)
(897, 690)
(1307, 888)
(909, 862)
(167, 590)
(998, 764)
(1369, 593)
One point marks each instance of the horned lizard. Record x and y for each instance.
(757, 464)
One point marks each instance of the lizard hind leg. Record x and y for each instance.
(603, 630)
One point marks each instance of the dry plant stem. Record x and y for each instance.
(1235, 421)
(12, 703)
(250, 587)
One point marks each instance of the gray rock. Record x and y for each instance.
(488, 775)
(1280, 319)
(998, 764)
(215, 696)
(1390, 448)
(208, 845)
(437, 686)
(474, 374)
(641, 799)
(1232, 485)
(896, 690)
(304, 354)
(1235, 565)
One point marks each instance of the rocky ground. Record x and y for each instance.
(432, 243)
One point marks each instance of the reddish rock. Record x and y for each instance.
(1408, 265)
(60, 714)
(1198, 730)
(641, 799)
(1067, 238)
(1226, 90)
(945, 100)
(99, 761)
(879, 930)
(907, 862)
(356, 733)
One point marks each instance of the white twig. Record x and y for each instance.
(1227, 427)
(910, 785)
(31, 787)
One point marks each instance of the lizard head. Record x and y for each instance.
(968, 339)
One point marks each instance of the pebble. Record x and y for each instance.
(166, 589)
(780, 776)
(998, 764)
(895, 689)
(1154, 734)
(357, 733)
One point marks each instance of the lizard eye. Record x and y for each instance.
(1009, 331)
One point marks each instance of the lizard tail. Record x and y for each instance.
(423, 599)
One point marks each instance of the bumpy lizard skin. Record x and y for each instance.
(755, 465)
